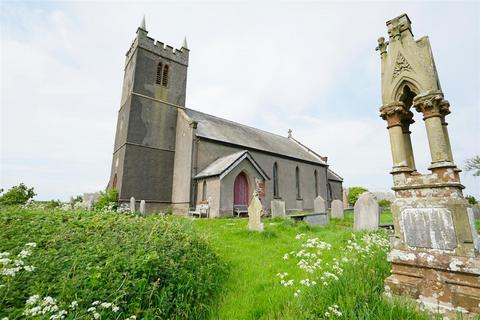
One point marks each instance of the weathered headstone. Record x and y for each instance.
(142, 207)
(365, 213)
(278, 208)
(90, 204)
(132, 205)
(337, 209)
(255, 211)
(72, 203)
(320, 209)
(476, 211)
(471, 220)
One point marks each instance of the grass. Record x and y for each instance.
(150, 267)
(253, 290)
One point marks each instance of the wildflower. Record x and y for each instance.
(327, 314)
(24, 253)
(4, 254)
(31, 244)
(115, 308)
(285, 256)
(29, 268)
(18, 262)
(5, 261)
(96, 315)
(33, 299)
(105, 305)
(91, 309)
(73, 304)
(95, 303)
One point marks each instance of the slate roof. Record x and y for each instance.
(223, 165)
(214, 128)
(333, 176)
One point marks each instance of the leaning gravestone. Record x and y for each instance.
(365, 213)
(142, 207)
(337, 209)
(320, 210)
(132, 205)
(255, 210)
(278, 208)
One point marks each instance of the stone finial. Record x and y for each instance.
(184, 44)
(142, 24)
(398, 25)
(289, 133)
(382, 45)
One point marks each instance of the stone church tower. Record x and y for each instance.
(154, 88)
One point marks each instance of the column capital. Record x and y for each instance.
(394, 113)
(432, 105)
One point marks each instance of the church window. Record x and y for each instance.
(165, 75)
(297, 180)
(204, 191)
(275, 180)
(159, 73)
(316, 182)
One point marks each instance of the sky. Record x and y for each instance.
(303, 65)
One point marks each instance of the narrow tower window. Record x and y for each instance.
(275, 180)
(159, 74)
(316, 182)
(165, 76)
(297, 180)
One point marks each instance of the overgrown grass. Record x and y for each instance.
(385, 217)
(150, 267)
(253, 290)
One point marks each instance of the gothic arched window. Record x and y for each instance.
(275, 180)
(297, 181)
(158, 80)
(165, 76)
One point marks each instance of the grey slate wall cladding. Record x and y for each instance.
(209, 151)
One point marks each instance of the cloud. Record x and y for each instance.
(306, 66)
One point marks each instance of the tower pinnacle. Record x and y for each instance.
(142, 24)
(184, 45)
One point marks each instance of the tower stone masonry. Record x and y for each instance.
(434, 257)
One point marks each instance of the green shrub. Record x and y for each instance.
(384, 203)
(471, 200)
(52, 204)
(17, 195)
(152, 267)
(107, 199)
(354, 193)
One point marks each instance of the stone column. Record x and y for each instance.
(429, 106)
(394, 113)
(407, 141)
(444, 111)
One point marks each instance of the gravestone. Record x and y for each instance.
(90, 204)
(72, 203)
(132, 205)
(476, 211)
(142, 207)
(320, 209)
(365, 213)
(471, 220)
(255, 210)
(278, 208)
(337, 209)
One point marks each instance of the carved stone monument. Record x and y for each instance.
(255, 210)
(434, 257)
(366, 213)
(320, 209)
(337, 209)
(278, 208)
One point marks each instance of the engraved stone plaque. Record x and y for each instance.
(428, 228)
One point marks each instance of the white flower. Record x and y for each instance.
(31, 244)
(94, 303)
(91, 309)
(74, 304)
(105, 305)
(327, 314)
(19, 262)
(115, 308)
(96, 315)
(4, 254)
(32, 299)
(24, 253)
(5, 261)
(285, 256)
(29, 268)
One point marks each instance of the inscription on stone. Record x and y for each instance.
(428, 228)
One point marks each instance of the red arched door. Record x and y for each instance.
(240, 191)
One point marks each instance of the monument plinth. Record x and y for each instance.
(434, 256)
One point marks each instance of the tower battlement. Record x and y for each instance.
(164, 50)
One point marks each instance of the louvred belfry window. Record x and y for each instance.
(159, 74)
(165, 76)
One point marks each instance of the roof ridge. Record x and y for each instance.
(238, 123)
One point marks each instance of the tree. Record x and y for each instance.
(471, 200)
(354, 193)
(17, 195)
(473, 164)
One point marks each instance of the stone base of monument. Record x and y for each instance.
(439, 283)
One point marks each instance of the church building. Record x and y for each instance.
(175, 157)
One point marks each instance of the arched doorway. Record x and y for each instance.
(240, 192)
